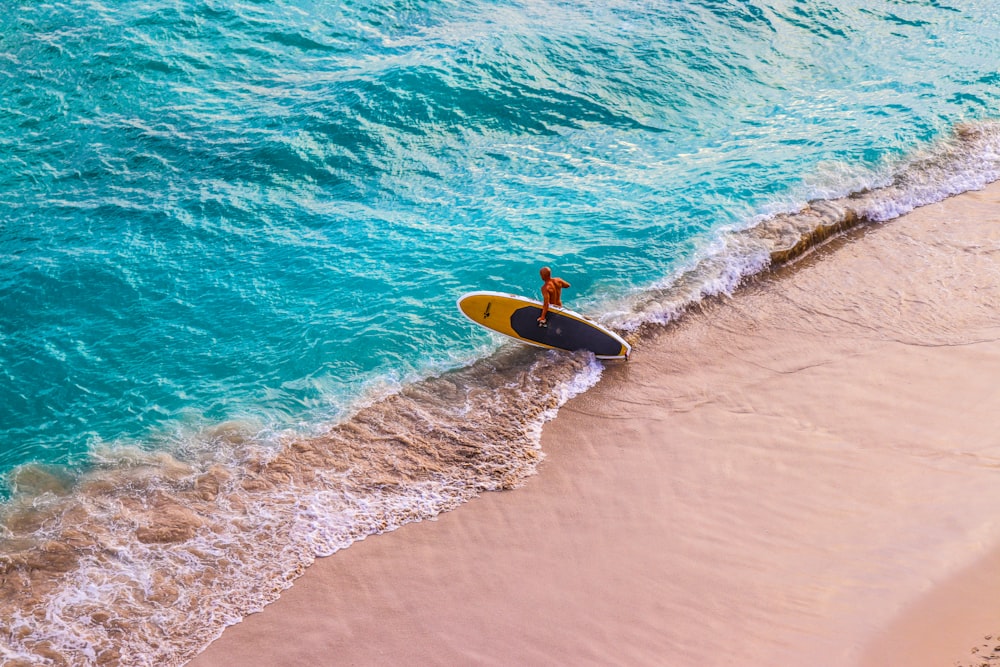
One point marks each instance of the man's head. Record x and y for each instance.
(545, 273)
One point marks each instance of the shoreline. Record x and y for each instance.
(725, 496)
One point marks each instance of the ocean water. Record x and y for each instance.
(232, 235)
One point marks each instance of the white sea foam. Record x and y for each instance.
(968, 160)
(175, 549)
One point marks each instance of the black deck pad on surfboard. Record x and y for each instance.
(563, 332)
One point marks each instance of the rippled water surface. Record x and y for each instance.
(227, 227)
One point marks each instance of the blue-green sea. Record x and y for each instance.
(233, 234)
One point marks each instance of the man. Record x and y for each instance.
(551, 292)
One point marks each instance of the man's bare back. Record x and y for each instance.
(552, 288)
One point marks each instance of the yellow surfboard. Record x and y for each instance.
(517, 317)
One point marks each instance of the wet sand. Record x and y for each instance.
(805, 473)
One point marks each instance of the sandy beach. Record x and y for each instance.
(806, 473)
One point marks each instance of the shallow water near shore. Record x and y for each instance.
(233, 236)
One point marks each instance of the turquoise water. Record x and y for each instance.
(218, 210)
(261, 214)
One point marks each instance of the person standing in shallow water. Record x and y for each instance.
(552, 288)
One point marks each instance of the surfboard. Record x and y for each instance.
(517, 317)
